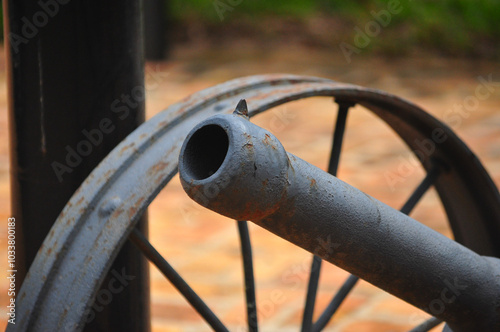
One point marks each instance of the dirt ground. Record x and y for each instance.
(203, 246)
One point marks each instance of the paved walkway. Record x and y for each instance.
(203, 246)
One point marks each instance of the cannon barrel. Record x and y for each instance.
(242, 171)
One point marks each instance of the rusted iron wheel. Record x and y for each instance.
(99, 218)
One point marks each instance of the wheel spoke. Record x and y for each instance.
(344, 290)
(427, 325)
(246, 252)
(422, 188)
(338, 137)
(335, 303)
(312, 287)
(168, 271)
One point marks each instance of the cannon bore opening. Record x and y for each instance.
(205, 151)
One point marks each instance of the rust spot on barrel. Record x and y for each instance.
(254, 211)
(268, 142)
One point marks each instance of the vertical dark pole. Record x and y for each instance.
(76, 89)
(155, 41)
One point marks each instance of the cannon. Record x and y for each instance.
(65, 277)
(256, 179)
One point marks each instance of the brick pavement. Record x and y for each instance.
(203, 246)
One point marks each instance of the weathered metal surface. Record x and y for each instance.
(96, 221)
(242, 171)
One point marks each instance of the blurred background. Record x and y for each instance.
(434, 54)
(449, 28)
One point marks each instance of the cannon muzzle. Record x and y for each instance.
(242, 171)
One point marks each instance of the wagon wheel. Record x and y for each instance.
(76, 255)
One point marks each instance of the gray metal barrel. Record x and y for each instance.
(242, 171)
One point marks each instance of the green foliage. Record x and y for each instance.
(456, 27)
(206, 10)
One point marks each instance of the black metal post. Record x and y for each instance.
(155, 42)
(76, 89)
